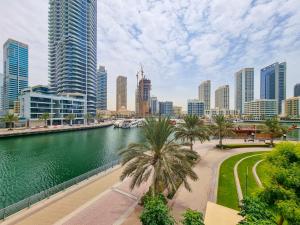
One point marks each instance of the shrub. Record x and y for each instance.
(156, 212)
(192, 217)
(148, 196)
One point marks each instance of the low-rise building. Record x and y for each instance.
(166, 108)
(195, 107)
(225, 112)
(292, 107)
(261, 109)
(36, 101)
(177, 110)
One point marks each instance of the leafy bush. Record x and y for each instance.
(148, 195)
(156, 212)
(255, 212)
(192, 217)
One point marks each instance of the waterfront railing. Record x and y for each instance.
(46, 194)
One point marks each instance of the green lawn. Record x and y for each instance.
(252, 186)
(261, 170)
(227, 195)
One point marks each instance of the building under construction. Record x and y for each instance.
(142, 95)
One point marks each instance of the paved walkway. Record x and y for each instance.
(105, 201)
(205, 188)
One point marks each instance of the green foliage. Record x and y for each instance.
(10, 119)
(282, 193)
(192, 217)
(148, 196)
(160, 158)
(70, 117)
(222, 128)
(45, 117)
(191, 130)
(227, 194)
(273, 127)
(255, 212)
(156, 212)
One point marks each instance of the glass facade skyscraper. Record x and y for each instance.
(72, 48)
(273, 83)
(1, 93)
(15, 68)
(297, 90)
(101, 88)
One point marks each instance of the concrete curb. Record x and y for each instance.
(236, 176)
(257, 179)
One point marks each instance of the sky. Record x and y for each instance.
(179, 42)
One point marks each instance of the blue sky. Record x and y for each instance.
(179, 42)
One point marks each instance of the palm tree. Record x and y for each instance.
(88, 117)
(99, 117)
(191, 130)
(274, 129)
(45, 117)
(159, 158)
(70, 117)
(10, 119)
(222, 128)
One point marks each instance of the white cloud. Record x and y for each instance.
(180, 43)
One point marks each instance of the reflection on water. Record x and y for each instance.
(31, 164)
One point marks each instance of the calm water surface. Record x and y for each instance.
(31, 164)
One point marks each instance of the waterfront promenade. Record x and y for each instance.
(51, 129)
(103, 199)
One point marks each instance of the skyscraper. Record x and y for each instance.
(121, 98)
(72, 48)
(101, 88)
(1, 92)
(195, 107)
(273, 83)
(143, 94)
(222, 97)
(297, 90)
(244, 88)
(15, 65)
(154, 108)
(204, 93)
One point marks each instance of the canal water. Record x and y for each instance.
(32, 164)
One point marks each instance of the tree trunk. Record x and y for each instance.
(191, 144)
(272, 141)
(281, 220)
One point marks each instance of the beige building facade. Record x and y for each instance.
(204, 92)
(222, 97)
(121, 93)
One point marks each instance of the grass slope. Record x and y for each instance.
(227, 194)
(252, 186)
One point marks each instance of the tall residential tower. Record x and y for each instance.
(222, 97)
(121, 98)
(101, 88)
(204, 93)
(244, 88)
(73, 48)
(15, 68)
(273, 83)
